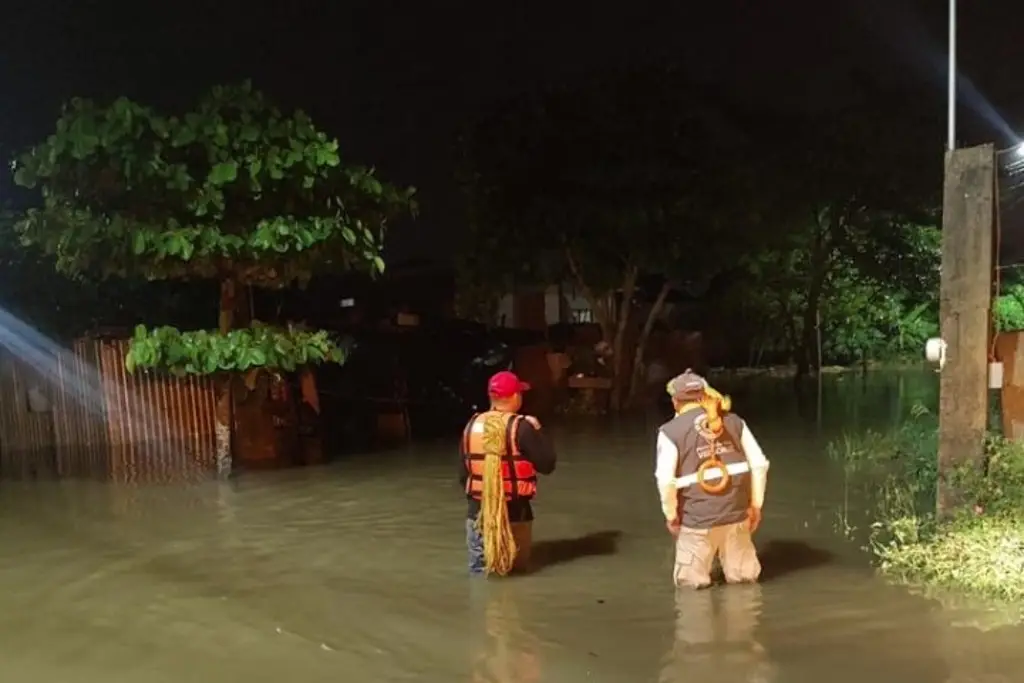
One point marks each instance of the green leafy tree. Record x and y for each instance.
(866, 318)
(602, 184)
(850, 213)
(1009, 307)
(865, 312)
(234, 190)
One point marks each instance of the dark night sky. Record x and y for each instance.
(393, 79)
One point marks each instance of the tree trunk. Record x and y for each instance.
(807, 356)
(791, 339)
(805, 350)
(611, 318)
(637, 376)
(225, 399)
(623, 315)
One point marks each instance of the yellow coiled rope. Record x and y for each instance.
(492, 523)
(715, 405)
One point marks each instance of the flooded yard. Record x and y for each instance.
(357, 572)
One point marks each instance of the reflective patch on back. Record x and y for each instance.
(478, 427)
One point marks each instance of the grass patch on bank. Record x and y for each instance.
(980, 550)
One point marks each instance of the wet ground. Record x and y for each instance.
(356, 572)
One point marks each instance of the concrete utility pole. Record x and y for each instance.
(968, 213)
(968, 221)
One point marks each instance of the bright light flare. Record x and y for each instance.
(61, 373)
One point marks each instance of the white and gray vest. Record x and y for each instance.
(699, 509)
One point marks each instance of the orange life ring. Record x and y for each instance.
(723, 483)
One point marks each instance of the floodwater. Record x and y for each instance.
(356, 572)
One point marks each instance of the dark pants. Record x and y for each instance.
(522, 532)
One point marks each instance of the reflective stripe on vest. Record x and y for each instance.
(518, 475)
(713, 473)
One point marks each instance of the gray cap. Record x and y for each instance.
(688, 385)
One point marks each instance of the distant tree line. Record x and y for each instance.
(815, 228)
(814, 238)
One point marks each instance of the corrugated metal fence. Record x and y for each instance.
(80, 414)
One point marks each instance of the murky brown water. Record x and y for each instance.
(356, 572)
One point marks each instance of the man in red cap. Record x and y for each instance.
(502, 454)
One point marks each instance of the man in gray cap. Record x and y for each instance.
(711, 475)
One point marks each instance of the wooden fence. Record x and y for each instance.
(80, 414)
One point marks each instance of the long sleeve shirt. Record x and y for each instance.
(668, 462)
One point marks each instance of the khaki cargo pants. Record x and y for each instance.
(696, 550)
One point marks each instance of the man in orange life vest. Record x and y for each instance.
(711, 475)
(523, 452)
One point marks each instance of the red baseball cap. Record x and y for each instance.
(506, 384)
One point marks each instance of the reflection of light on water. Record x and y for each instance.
(715, 639)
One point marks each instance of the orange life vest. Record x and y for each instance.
(517, 474)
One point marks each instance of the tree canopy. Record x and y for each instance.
(602, 184)
(619, 173)
(853, 218)
(232, 189)
(802, 221)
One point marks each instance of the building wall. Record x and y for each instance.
(511, 313)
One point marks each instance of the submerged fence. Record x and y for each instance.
(80, 414)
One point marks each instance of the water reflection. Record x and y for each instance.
(506, 651)
(715, 637)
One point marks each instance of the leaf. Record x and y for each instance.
(223, 173)
(24, 177)
(245, 350)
